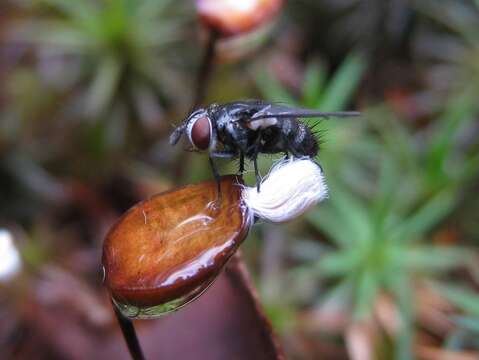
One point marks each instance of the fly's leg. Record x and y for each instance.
(253, 152)
(317, 163)
(219, 155)
(241, 164)
(217, 176)
(256, 172)
(255, 161)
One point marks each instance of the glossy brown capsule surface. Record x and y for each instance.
(168, 249)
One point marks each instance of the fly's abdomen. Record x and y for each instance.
(303, 142)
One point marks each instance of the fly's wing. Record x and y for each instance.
(272, 110)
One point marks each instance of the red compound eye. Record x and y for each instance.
(200, 134)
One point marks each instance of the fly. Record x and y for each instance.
(245, 129)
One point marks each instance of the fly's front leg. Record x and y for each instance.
(217, 176)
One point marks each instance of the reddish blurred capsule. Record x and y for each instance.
(231, 17)
(167, 250)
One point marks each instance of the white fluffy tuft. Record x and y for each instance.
(292, 187)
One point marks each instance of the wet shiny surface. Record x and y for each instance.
(167, 250)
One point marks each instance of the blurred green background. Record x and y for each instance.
(389, 264)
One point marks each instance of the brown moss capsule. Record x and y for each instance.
(230, 17)
(167, 250)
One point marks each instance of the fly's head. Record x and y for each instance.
(199, 129)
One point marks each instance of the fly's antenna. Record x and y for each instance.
(176, 134)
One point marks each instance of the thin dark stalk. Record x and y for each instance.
(205, 69)
(203, 77)
(129, 334)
